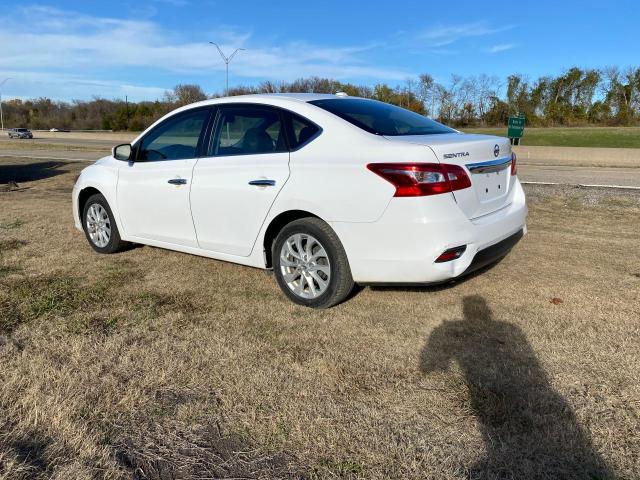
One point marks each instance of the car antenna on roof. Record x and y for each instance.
(341, 94)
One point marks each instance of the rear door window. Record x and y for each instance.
(248, 130)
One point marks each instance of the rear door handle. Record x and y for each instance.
(177, 181)
(263, 183)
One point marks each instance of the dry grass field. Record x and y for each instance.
(29, 146)
(157, 364)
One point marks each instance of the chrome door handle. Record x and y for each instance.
(263, 183)
(177, 181)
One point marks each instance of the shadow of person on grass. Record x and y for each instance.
(529, 430)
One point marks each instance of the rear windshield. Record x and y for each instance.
(381, 118)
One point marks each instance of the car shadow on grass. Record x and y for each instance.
(29, 172)
(529, 430)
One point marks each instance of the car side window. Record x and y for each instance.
(248, 131)
(302, 131)
(175, 139)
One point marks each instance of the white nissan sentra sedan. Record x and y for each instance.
(327, 190)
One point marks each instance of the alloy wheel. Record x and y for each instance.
(98, 225)
(305, 266)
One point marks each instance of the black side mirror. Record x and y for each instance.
(122, 152)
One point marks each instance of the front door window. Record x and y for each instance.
(176, 139)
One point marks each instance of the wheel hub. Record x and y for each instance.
(305, 266)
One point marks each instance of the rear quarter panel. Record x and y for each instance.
(329, 176)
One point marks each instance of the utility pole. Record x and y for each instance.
(226, 61)
(2, 119)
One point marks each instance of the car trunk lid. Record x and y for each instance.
(487, 161)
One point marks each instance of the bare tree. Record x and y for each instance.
(183, 94)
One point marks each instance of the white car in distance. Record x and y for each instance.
(328, 191)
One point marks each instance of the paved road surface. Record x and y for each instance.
(629, 177)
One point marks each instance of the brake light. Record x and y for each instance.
(422, 179)
(514, 167)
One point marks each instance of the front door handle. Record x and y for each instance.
(177, 181)
(263, 183)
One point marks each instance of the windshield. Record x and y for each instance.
(381, 118)
(21, 129)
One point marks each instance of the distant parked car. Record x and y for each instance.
(58, 130)
(20, 133)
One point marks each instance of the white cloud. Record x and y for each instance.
(69, 86)
(41, 43)
(500, 48)
(441, 36)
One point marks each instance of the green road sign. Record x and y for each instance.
(516, 127)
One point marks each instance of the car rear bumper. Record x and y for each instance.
(495, 252)
(402, 246)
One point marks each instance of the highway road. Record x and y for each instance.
(628, 177)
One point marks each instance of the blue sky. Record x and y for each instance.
(77, 49)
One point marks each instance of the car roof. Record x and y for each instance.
(301, 97)
(261, 97)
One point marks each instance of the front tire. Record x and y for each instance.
(310, 264)
(100, 227)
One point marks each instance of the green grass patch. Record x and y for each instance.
(6, 245)
(11, 225)
(605, 137)
(84, 307)
(43, 297)
(8, 269)
(337, 469)
(154, 304)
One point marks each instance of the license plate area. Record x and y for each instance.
(491, 185)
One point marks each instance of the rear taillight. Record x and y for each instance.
(421, 179)
(514, 167)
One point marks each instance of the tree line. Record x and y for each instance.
(607, 96)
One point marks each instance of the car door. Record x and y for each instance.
(153, 190)
(235, 185)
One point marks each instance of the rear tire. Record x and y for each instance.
(100, 227)
(310, 264)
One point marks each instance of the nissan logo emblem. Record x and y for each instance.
(496, 150)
